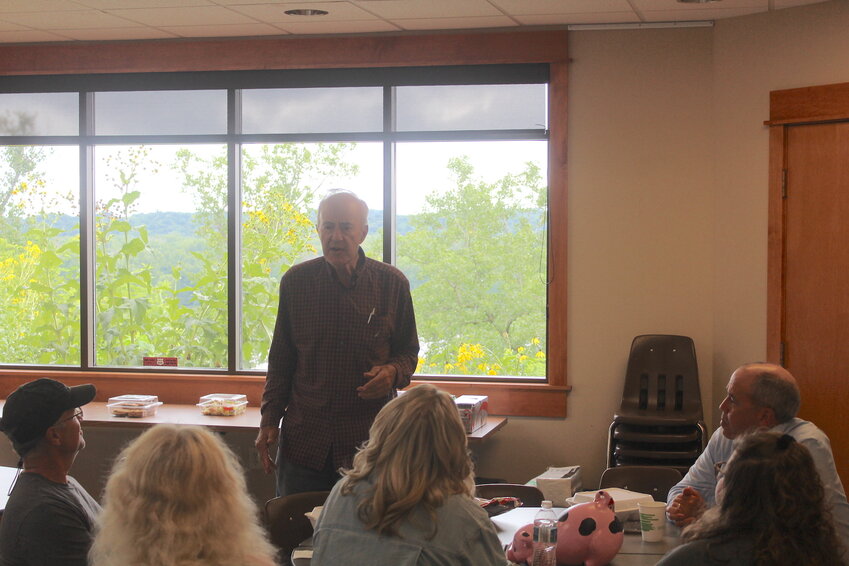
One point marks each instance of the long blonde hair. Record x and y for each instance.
(177, 496)
(416, 456)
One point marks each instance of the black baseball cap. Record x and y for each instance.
(34, 407)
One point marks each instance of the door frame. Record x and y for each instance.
(787, 108)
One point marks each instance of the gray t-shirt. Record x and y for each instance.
(47, 523)
(465, 536)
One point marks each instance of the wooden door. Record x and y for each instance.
(816, 277)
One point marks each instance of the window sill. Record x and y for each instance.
(508, 399)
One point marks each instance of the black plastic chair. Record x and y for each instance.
(529, 495)
(652, 480)
(288, 526)
(661, 382)
(659, 421)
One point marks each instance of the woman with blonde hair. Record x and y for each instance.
(770, 511)
(408, 498)
(177, 497)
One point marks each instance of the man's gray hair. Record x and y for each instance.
(780, 395)
(337, 192)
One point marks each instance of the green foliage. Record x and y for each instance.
(476, 252)
(474, 257)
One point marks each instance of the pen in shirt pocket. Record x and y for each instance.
(371, 314)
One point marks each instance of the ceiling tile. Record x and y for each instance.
(75, 19)
(29, 36)
(672, 5)
(201, 15)
(107, 34)
(436, 9)
(455, 23)
(691, 15)
(119, 4)
(330, 26)
(237, 30)
(38, 6)
(9, 26)
(287, 3)
(586, 18)
(276, 13)
(529, 7)
(780, 4)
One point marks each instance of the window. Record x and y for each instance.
(189, 194)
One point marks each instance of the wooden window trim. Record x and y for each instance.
(510, 398)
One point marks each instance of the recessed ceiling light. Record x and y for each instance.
(306, 12)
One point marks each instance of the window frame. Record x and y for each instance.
(133, 62)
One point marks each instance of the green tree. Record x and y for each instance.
(280, 184)
(477, 254)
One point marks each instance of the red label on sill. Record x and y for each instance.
(155, 361)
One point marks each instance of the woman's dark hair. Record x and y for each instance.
(772, 496)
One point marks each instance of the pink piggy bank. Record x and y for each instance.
(522, 549)
(590, 533)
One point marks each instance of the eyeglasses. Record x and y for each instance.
(78, 414)
(719, 470)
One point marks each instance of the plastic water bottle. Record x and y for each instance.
(545, 536)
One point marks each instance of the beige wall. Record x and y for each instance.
(752, 56)
(668, 207)
(667, 216)
(640, 231)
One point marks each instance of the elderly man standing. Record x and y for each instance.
(345, 339)
(49, 518)
(758, 396)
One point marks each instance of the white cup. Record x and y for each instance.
(652, 520)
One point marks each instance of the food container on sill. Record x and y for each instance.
(223, 404)
(133, 406)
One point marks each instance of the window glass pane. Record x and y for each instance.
(39, 114)
(471, 107)
(316, 110)
(282, 185)
(39, 255)
(161, 254)
(161, 112)
(472, 240)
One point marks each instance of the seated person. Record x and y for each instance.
(759, 396)
(408, 498)
(49, 518)
(770, 511)
(177, 496)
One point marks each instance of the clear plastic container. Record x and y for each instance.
(223, 404)
(133, 406)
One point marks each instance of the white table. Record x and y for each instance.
(634, 551)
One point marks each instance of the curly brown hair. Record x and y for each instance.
(772, 496)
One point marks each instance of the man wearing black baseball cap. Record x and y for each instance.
(49, 519)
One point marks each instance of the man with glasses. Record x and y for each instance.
(766, 396)
(49, 519)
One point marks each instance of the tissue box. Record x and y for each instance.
(558, 484)
(473, 411)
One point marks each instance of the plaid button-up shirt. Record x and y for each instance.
(325, 338)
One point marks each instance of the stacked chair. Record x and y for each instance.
(660, 421)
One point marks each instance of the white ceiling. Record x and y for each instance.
(29, 21)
